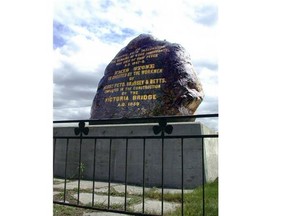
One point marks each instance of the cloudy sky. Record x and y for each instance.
(253, 50)
(88, 34)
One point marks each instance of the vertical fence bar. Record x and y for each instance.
(143, 191)
(203, 177)
(126, 160)
(182, 178)
(65, 169)
(162, 174)
(79, 169)
(54, 150)
(94, 162)
(109, 174)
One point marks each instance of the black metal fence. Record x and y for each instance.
(162, 131)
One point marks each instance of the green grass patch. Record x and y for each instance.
(61, 210)
(193, 204)
(169, 197)
(68, 197)
(193, 201)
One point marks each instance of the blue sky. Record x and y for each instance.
(88, 34)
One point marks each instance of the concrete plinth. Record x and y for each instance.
(192, 158)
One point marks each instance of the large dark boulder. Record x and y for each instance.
(148, 78)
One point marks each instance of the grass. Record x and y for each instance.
(60, 210)
(169, 197)
(193, 202)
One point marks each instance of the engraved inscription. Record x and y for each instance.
(147, 78)
(135, 71)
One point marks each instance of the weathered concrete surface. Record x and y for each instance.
(83, 185)
(154, 206)
(192, 148)
(102, 187)
(102, 214)
(56, 192)
(210, 156)
(86, 198)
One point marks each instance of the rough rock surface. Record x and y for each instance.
(148, 78)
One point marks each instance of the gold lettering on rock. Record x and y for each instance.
(142, 67)
(130, 91)
(144, 97)
(116, 99)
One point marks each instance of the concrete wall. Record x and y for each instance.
(210, 155)
(172, 155)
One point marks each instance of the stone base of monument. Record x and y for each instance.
(116, 167)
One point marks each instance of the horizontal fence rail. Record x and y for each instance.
(163, 133)
(141, 120)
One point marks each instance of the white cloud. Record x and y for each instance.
(90, 34)
(209, 81)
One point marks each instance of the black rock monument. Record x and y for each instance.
(148, 78)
